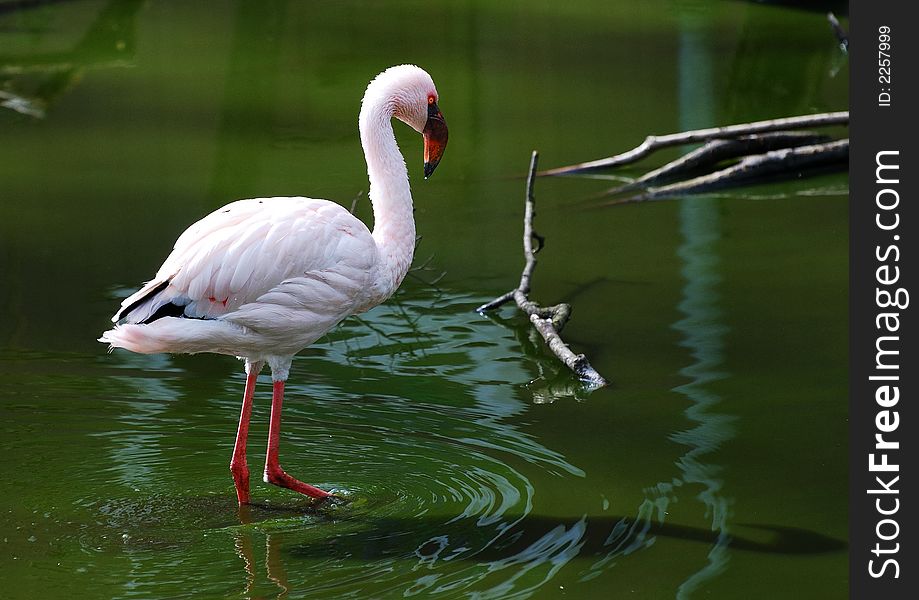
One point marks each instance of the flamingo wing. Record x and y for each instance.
(245, 257)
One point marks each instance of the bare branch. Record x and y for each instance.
(751, 167)
(841, 36)
(497, 302)
(715, 151)
(653, 142)
(354, 201)
(578, 363)
(548, 321)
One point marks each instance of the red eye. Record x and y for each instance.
(431, 99)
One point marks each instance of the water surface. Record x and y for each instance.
(714, 465)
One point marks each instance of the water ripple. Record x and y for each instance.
(402, 414)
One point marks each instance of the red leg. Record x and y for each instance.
(238, 466)
(274, 474)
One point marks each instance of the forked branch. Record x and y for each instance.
(656, 142)
(748, 168)
(547, 320)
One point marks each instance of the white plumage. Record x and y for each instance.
(263, 278)
(274, 273)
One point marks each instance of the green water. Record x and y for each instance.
(713, 466)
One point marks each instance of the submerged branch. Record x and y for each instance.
(656, 142)
(547, 320)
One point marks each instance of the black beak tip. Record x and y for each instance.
(429, 169)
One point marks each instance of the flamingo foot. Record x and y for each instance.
(276, 476)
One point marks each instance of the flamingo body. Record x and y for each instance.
(261, 279)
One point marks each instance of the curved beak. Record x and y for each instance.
(435, 139)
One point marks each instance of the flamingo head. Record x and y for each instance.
(435, 136)
(414, 102)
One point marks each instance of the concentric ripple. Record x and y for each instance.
(407, 413)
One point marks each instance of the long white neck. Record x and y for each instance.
(393, 219)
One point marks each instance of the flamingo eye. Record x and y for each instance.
(431, 99)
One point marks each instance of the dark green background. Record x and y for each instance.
(713, 466)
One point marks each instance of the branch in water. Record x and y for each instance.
(716, 151)
(548, 321)
(759, 165)
(656, 142)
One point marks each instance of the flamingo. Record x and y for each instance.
(262, 279)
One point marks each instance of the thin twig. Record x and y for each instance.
(841, 36)
(529, 213)
(497, 302)
(656, 142)
(548, 321)
(354, 202)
